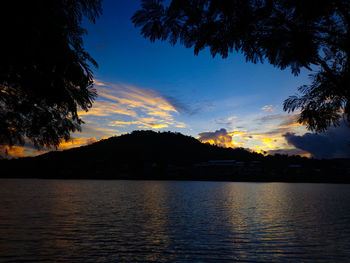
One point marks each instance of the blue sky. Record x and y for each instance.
(207, 94)
(157, 86)
(144, 85)
(125, 56)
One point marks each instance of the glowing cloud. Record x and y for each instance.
(77, 142)
(11, 151)
(105, 108)
(220, 138)
(267, 136)
(124, 105)
(118, 109)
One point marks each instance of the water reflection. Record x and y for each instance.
(149, 216)
(286, 221)
(154, 221)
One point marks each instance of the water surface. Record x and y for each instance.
(172, 221)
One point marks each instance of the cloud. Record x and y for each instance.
(180, 106)
(190, 108)
(268, 108)
(290, 121)
(118, 109)
(263, 134)
(220, 138)
(133, 97)
(226, 122)
(11, 151)
(241, 138)
(334, 143)
(28, 149)
(283, 120)
(291, 151)
(120, 105)
(266, 134)
(105, 108)
(77, 142)
(278, 124)
(92, 129)
(149, 123)
(278, 131)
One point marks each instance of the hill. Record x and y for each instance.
(167, 155)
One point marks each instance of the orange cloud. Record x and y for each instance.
(267, 137)
(124, 105)
(146, 123)
(105, 108)
(148, 101)
(77, 142)
(28, 150)
(220, 138)
(11, 151)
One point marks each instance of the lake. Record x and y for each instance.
(172, 221)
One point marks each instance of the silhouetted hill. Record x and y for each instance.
(154, 146)
(167, 155)
(133, 150)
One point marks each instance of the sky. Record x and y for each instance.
(157, 86)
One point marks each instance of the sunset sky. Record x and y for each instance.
(144, 85)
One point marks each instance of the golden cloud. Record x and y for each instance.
(125, 105)
(11, 151)
(267, 138)
(220, 138)
(105, 108)
(116, 106)
(77, 142)
(28, 149)
(150, 122)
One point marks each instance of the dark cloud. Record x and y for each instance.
(334, 143)
(289, 121)
(287, 151)
(286, 124)
(220, 137)
(224, 122)
(271, 117)
(285, 120)
(276, 132)
(188, 109)
(178, 105)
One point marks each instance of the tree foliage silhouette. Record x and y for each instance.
(45, 72)
(296, 34)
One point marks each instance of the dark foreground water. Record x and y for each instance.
(173, 221)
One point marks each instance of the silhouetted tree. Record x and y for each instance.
(297, 34)
(45, 74)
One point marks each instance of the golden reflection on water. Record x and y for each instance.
(154, 196)
(75, 210)
(65, 215)
(256, 215)
(278, 217)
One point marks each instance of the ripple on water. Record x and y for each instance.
(155, 221)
